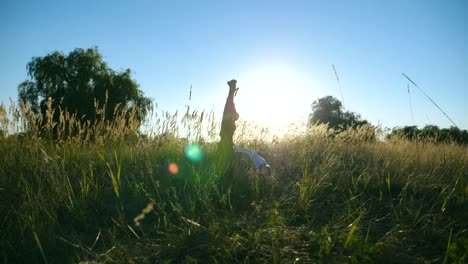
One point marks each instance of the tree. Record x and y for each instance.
(329, 110)
(76, 82)
(431, 133)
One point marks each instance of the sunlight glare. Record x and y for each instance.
(194, 152)
(274, 97)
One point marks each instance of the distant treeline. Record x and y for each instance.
(431, 133)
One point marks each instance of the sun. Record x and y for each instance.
(273, 96)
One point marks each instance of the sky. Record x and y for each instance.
(280, 52)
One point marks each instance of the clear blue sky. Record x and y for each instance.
(280, 52)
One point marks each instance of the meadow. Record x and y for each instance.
(102, 194)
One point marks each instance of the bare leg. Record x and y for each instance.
(228, 127)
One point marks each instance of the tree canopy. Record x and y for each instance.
(78, 83)
(431, 133)
(329, 110)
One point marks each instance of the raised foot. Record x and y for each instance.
(232, 83)
(232, 87)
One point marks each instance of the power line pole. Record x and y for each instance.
(409, 79)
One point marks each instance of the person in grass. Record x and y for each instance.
(260, 165)
(229, 154)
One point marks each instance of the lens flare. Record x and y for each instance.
(194, 152)
(173, 168)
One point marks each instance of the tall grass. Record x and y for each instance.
(102, 193)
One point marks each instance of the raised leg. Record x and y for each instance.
(228, 127)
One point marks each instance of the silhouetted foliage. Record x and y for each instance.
(79, 83)
(431, 133)
(329, 110)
